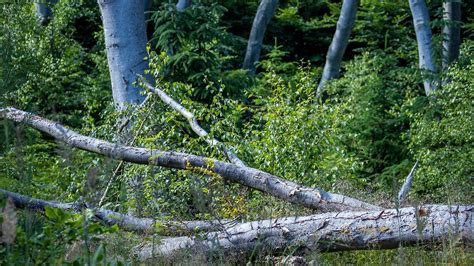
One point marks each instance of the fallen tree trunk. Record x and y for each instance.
(124, 221)
(340, 231)
(315, 198)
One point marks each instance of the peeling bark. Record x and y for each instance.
(124, 221)
(193, 122)
(340, 231)
(265, 12)
(314, 198)
(451, 31)
(125, 41)
(339, 43)
(421, 21)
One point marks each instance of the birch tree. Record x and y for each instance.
(265, 12)
(44, 11)
(183, 4)
(451, 31)
(339, 42)
(421, 22)
(125, 41)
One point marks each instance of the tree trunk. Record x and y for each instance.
(451, 31)
(315, 198)
(339, 43)
(43, 11)
(183, 4)
(325, 232)
(265, 12)
(421, 21)
(125, 41)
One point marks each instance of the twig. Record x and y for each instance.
(114, 174)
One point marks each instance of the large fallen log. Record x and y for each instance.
(315, 198)
(340, 231)
(124, 221)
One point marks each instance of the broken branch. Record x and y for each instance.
(124, 221)
(192, 122)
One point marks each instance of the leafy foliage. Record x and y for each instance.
(361, 139)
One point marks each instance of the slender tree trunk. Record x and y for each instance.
(265, 12)
(183, 4)
(125, 40)
(431, 224)
(451, 31)
(43, 10)
(421, 21)
(339, 43)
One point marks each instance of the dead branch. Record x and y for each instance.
(192, 122)
(124, 221)
(315, 198)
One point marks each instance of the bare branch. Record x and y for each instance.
(192, 122)
(124, 221)
(314, 198)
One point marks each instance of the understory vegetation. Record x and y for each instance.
(361, 138)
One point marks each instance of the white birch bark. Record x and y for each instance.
(451, 31)
(125, 41)
(43, 10)
(193, 123)
(421, 21)
(183, 4)
(339, 43)
(265, 12)
(385, 229)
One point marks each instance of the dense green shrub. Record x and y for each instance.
(441, 135)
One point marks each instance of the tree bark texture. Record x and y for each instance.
(339, 43)
(124, 221)
(43, 11)
(125, 41)
(265, 12)
(183, 4)
(338, 231)
(451, 31)
(421, 21)
(315, 198)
